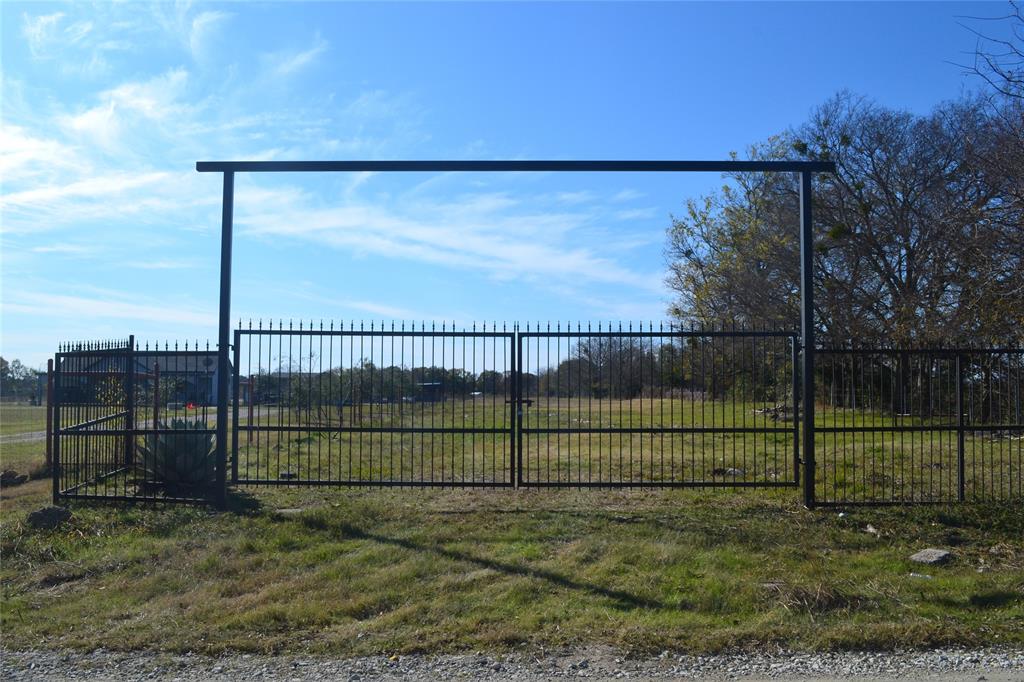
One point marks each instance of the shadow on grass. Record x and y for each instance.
(243, 503)
(624, 600)
(993, 599)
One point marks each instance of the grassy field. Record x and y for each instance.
(358, 571)
(853, 466)
(21, 418)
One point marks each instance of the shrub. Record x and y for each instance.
(178, 463)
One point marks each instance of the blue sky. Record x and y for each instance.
(108, 230)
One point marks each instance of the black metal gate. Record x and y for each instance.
(370, 406)
(133, 423)
(657, 407)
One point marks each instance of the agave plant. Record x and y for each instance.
(178, 463)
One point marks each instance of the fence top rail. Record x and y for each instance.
(372, 332)
(919, 351)
(442, 166)
(685, 333)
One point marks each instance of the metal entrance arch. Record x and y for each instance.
(805, 169)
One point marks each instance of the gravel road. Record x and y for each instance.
(594, 663)
(26, 437)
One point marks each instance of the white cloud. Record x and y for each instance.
(156, 98)
(204, 27)
(162, 264)
(22, 153)
(99, 125)
(97, 187)
(286, 64)
(75, 309)
(627, 195)
(78, 47)
(40, 32)
(479, 233)
(77, 31)
(636, 214)
(582, 197)
(66, 249)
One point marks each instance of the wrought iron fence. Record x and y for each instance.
(373, 405)
(919, 425)
(134, 423)
(558, 406)
(657, 406)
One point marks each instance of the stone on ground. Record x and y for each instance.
(12, 477)
(932, 556)
(48, 518)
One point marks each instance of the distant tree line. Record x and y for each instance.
(620, 368)
(18, 382)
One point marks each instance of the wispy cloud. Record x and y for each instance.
(78, 308)
(79, 46)
(91, 188)
(157, 98)
(23, 154)
(41, 32)
(627, 195)
(636, 214)
(205, 27)
(473, 232)
(162, 264)
(66, 249)
(286, 63)
(581, 197)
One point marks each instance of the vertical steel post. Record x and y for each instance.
(49, 413)
(959, 428)
(129, 403)
(807, 331)
(55, 469)
(227, 212)
(795, 359)
(234, 405)
(156, 395)
(516, 350)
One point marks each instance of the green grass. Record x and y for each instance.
(853, 466)
(918, 466)
(21, 418)
(403, 571)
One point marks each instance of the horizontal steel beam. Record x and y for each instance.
(667, 333)
(325, 428)
(369, 332)
(657, 484)
(937, 352)
(371, 483)
(918, 428)
(516, 166)
(681, 430)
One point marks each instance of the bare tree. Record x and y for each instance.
(918, 233)
(1000, 60)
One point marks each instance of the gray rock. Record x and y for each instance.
(48, 518)
(12, 477)
(728, 471)
(291, 511)
(931, 556)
